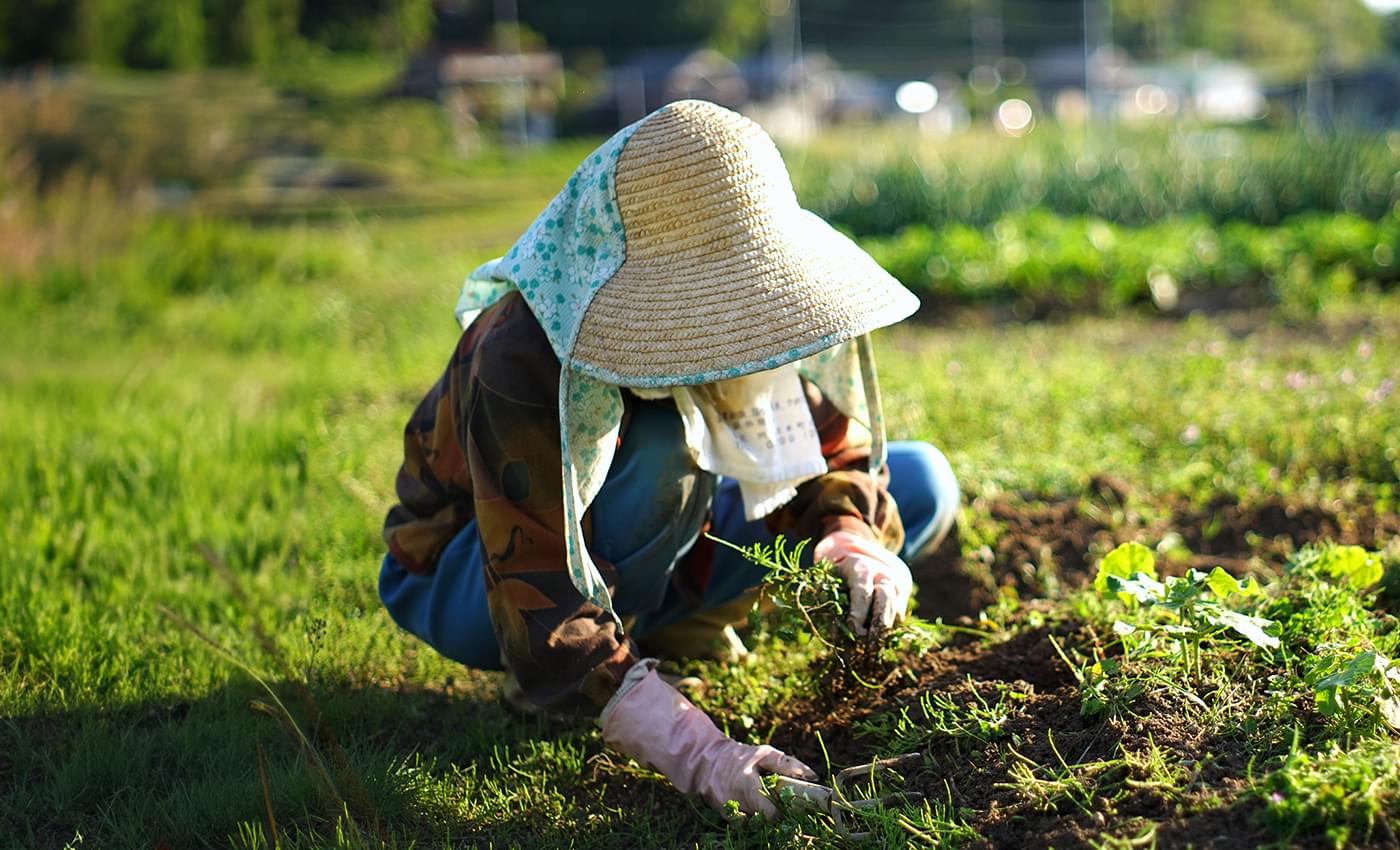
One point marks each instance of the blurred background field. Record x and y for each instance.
(1155, 241)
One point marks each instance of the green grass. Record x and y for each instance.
(1193, 408)
(174, 383)
(244, 388)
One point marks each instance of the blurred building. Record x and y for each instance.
(515, 92)
(1367, 98)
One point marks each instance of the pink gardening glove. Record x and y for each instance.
(654, 724)
(880, 582)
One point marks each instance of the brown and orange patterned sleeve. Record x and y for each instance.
(484, 443)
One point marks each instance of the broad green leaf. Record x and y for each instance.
(1127, 560)
(1139, 587)
(1222, 584)
(1252, 628)
(1352, 563)
(1358, 667)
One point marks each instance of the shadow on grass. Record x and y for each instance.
(439, 766)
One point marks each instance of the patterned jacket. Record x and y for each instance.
(484, 443)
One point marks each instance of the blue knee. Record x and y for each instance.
(447, 608)
(926, 490)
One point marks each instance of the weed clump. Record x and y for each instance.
(808, 602)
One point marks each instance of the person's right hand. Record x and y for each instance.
(658, 727)
(879, 582)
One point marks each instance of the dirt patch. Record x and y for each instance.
(1039, 545)
(1039, 774)
(1276, 527)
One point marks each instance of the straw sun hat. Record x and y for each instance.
(723, 269)
(677, 254)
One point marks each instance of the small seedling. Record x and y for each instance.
(1195, 603)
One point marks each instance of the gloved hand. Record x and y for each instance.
(651, 722)
(880, 582)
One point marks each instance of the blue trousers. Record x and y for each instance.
(647, 515)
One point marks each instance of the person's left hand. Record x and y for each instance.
(879, 581)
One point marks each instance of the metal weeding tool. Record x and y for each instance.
(832, 799)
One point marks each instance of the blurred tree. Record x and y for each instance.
(1287, 38)
(740, 28)
(266, 30)
(37, 31)
(1284, 38)
(365, 25)
(191, 33)
(620, 27)
(1392, 32)
(174, 38)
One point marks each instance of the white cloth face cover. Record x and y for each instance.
(758, 430)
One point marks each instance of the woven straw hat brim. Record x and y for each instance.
(708, 311)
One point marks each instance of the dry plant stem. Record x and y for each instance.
(331, 801)
(272, 836)
(909, 827)
(980, 634)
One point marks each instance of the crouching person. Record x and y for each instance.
(673, 347)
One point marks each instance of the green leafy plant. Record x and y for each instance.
(1352, 565)
(1327, 604)
(1194, 603)
(1050, 262)
(1104, 687)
